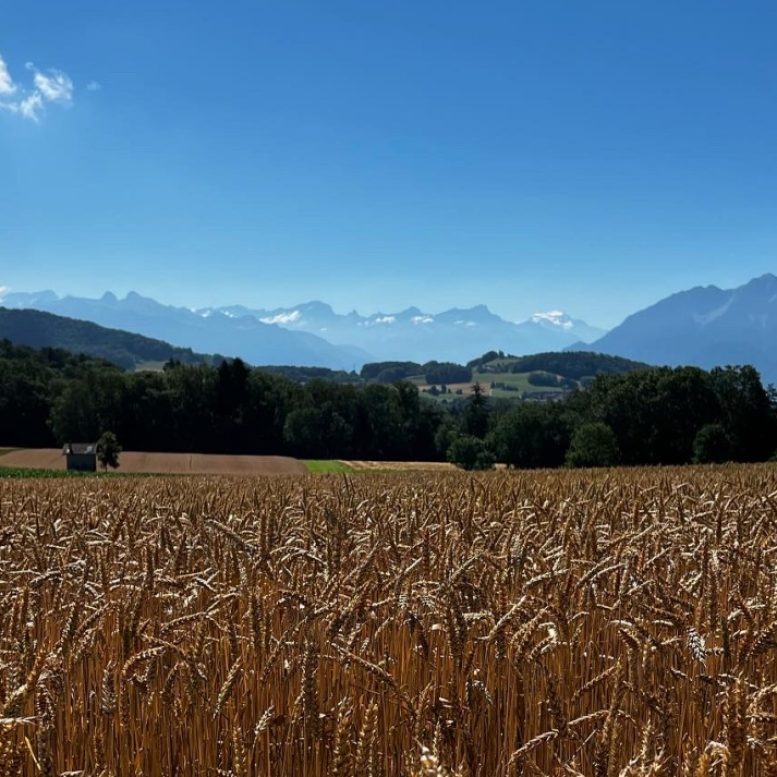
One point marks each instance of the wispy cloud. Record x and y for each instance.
(94, 86)
(3, 291)
(7, 85)
(51, 86)
(291, 317)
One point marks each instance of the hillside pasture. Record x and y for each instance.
(139, 462)
(509, 385)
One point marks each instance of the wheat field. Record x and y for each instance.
(556, 623)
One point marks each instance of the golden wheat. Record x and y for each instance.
(617, 624)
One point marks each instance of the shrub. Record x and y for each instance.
(470, 453)
(540, 378)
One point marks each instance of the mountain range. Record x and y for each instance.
(705, 326)
(245, 336)
(412, 334)
(313, 334)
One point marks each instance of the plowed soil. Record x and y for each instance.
(165, 463)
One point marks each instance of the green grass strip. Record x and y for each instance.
(327, 467)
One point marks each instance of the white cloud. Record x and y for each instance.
(378, 321)
(3, 291)
(422, 320)
(56, 87)
(292, 317)
(7, 85)
(31, 106)
(53, 86)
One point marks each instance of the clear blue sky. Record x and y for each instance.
(589, 156)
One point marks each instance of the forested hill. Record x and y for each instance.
(568, 364)
(127, 350)
(648, 416)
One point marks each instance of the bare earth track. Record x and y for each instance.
(400, 466)
(166, 463)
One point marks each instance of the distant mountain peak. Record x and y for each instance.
(554, 318)
(135, 297)
(763, 283)
(313, 334)
(316, 306)
(28, 299)
(704, 326)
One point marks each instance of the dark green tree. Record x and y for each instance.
(532, 435)
(593, 445)
(476, 413)
(747, 413)
(108, 450)
(711, 445)
(655, 413)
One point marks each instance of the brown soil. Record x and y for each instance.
(428, 466)
(163, 463)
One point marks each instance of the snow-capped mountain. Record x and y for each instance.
(557, 319)
(313, 334)
(226, 333)
(457, 334)
(705, 326)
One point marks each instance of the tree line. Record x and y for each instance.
(651, 416)
(648, 416)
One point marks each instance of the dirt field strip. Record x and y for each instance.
(165, 463)
(400, 466)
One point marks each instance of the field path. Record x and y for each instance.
(166, 463)
(400, 466)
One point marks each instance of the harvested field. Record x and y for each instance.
(554, 623)
(165, 463)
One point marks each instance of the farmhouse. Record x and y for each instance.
(81, 457)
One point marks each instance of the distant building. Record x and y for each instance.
(81, 457)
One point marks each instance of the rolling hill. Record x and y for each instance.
(125, 349)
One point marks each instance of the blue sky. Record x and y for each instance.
(528, 155)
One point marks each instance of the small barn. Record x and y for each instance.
(81, 456)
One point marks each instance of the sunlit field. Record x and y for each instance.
(551, 623)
